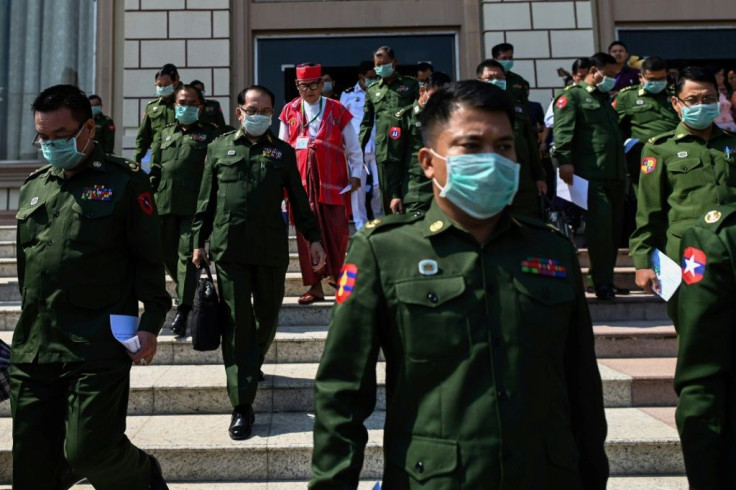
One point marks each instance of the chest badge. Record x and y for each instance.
(97, 165)
(543, 267)
(97, 193)
(682, 154)
(588, 100)
(274, 153)
(168, 138)
(230, 153)
(639, 102)
(155, 109)
(436, 226)
(199, 137)
(34, 201)
(712, 217)
(428, 267)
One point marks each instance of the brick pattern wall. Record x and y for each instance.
(546, 34)
(192, 34)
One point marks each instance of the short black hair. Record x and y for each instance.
(472, 93)
(95, 97)
(169, 70)
(424, 66)
(618, 43)
(61, 96)
(386, 49)
(196, 82)
(601, 60)
(259, 88)
(194, 89)
(501, 48)
(653, 63)
(365, 67)
(438, 79)
(695, 74)
(580, 64)
(487, 64)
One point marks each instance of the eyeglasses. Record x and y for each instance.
(37, 140)
(302, 87)
(710, 99)
(252, 112)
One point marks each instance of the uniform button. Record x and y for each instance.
(49, 243)
(432, 297)
(501, 395)
(56, 214)
(419, 467)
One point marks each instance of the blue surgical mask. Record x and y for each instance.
(700, 116)
(480, 184)
(165, 91)
(606, 84)
(327, 87)
(186, 114)
(256, 124)
(385, 71)
(96, 110)
(654, 86)
(507, 64)
(498, 83)
(63, 154)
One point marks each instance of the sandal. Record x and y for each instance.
(308, 298)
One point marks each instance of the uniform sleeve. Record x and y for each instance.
(154, 176)
(565, 113)
(651, 212)
(144, 245)
(704, 375)
(535, 162)
(345, 385)
(304, 218)
(144, 138)
(366, 125)
(585, 391)
(624, 119)
(206, 204)
(219, 118)
(108, 143)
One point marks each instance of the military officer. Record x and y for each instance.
(516, 86)
(246, 174)
(416, 188)
(588, 143)
(704, 376)
(382, 101)
(645, 111)
(177, 164)
(159, 112)
(491, 377)
(532, 176)
(211, 112)
(104, 125)
(88, 247)
(684, 173)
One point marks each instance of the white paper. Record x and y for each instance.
(346, 189)
(629, 144)
(124, 329)
(577, 193)
(669, 274)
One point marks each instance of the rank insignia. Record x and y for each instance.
(346, 283)
(402, 89)
(373, 223)
(543, 267)
(712, 217)
(394, 133)
(199, 137)
(428, 267)
(693, 265)
(648, 165)
(561, 102)
(436, 226)
(145, 202)
(97, 193)
(274, 153)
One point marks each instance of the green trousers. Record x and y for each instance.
(248, 328)
(389, 181)
(603, 221)
(176, 242)
(73, 415)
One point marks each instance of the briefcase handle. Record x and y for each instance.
(206, 268)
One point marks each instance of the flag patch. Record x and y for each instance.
(346, 283)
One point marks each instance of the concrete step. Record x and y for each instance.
(623, 277)
(622, 259)
(7, 233)
(197, 447)
(635, 339)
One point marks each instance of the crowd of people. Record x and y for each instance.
(478, 306)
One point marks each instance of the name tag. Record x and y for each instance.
(302, 143)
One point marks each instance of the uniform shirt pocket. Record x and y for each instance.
(424, 459)
(30, 221)
(686, 174)
(91, 222)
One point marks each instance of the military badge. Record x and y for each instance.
(561, 102)
(428, 267)
(145, 202)
(693, 265)
(518, 109)
(394, 133)
(230, 153)
(346, 283)
(436, 226)
(614, 104)
(682, 154)
(97, 193)
(373, 223)
(199, 137)
(543, 267)
(648, 165)
(639, 102)
(34, 201)
(274, 153)
(402, 89)
(713, 217)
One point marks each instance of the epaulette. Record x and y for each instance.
(717, 218)
(349, 90)
(127, 164)
(154, 101)
(401, 112)
(391, 221)
(224, 134)
(626, 89)
(38, 171)
(660, 137)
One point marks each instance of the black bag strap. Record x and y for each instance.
(206, 268)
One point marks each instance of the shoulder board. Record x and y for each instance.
(629, 88)
(225, 134)
(403, 111)
(661, 137)
(154, 101)
(170, 125)
(129, 165)
(537, 224)
(349, 90)
(39, 171)
(717, 217)
(389, 222)
(209, 125)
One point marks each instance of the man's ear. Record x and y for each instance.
(425, 161)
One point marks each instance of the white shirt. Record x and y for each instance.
(354, 102)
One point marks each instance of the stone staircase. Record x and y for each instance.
(179, 410)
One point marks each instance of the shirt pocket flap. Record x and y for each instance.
(544, 289)
(684, 165)
(422, 457)
(93, 209)
(25, 212)
(431, 292)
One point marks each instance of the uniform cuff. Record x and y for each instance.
(641, 261)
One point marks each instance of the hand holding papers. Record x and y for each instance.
(577, 193)
(124, 329)
(346, 189)
(669, 274)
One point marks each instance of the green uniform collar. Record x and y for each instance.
(681, 132)
(588, 87)
(240, 133)
(437, 222)
(95, 161)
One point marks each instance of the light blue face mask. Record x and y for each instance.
(327, 87)
(186, 114)
(165, 91)
(96, 110)
(654, 86)
(498, 83)
(61, 153)
(606, 84)
(480, 184)
(256, 124)
(700, 116)
(385, 71)
(507, 64)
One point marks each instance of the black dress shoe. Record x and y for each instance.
(261, 376)
(157, 478)
(605, 292)
(179, 324)
(241, 423)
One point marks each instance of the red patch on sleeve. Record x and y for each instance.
(615, 103)
(346, 283)
(561, 102)
(394, 133)
(145, 202)
(693, 265)
(648, 165)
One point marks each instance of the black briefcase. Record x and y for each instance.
(204, 319)
(554, 216)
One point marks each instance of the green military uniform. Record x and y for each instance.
(177, 164)
(587, 136)
(491, 377)
(88, 246)
(240, 206)
(516, 88)
(105, 132)
(704, 379)
(159, 114)
(643, 115)
(526, 200)
(682, 176)
(382, 101)
(416, 188)
(212, 113)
